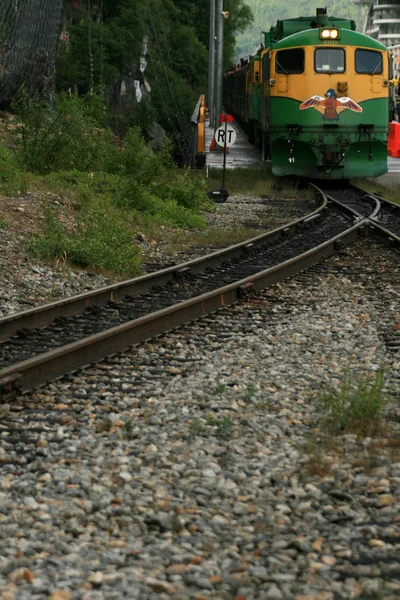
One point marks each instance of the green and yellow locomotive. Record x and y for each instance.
(315, 99)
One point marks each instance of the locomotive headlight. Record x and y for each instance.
(329, 34)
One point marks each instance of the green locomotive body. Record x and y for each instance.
(315, 99)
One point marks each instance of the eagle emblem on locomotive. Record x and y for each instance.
(331, 105)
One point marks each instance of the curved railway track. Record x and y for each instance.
(44, 343)
(383, 214)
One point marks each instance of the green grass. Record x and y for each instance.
(356, 407)
(197, 427)
(102, 240)
(257, 182)
(3, 223)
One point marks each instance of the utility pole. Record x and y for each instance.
(211, 64)
(219, 73)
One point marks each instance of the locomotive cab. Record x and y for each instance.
(328, 105)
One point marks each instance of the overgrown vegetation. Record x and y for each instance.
(115, 184)
(177, 37)
(356, 407)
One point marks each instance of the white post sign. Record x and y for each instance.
(230, 134)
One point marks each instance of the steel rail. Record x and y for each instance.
(33, 372)
(378, 229)
(349, 209)
(68, 307)
(377, 197)
(379, 215)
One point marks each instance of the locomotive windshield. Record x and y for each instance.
(368, 61)
(329, 60)
(290, 62)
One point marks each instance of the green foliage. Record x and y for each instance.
(250, 393)
(64, 138)
(128, 429)
(12, 179)
(7, 166)
(177, 59)
(224, 426)
(266, 15)
(115, 183)
(197, 427)
(356, 407)
(103, 239)
(3, 223)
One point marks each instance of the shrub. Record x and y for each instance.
(61, 139)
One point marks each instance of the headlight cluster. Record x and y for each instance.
(329, 34)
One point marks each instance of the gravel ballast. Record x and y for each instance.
(196, 467)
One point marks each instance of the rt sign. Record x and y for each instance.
(230, 136)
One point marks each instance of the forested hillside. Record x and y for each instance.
(267, 13)
(142, 48)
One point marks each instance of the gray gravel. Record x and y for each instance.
(194, 467)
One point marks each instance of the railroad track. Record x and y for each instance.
(383, 214)
(44, 343)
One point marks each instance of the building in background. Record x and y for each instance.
(382, 22)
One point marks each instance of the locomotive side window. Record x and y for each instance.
(290, 62)
(265, 70)
(330, 60)
(369, 61)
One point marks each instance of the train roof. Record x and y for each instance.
(311, 37)
(290, 26)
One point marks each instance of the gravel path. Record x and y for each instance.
(194, 467)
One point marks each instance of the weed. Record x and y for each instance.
(356, 407)
(116, 185)
(255, 182)
(3, 223)
(210, 419)
(216, 238)
(196, 427)
(224, 426)
(128, 428)
(250, 392)
(221, 389)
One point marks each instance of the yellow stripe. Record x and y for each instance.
(358, 87)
